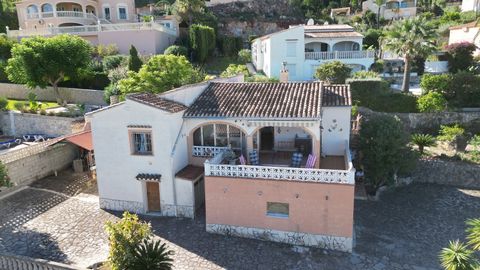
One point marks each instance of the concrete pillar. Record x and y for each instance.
(249, 146)
(317, 152)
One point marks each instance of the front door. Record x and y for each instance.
(266, 138)
(153, 196)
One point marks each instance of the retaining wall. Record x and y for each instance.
(18, 124)
(35, 162)
(71, 95)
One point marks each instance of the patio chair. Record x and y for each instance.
(311, 161)
(296, 160)
(254, 158)
(242, 160)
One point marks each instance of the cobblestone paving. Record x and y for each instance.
(58, 219)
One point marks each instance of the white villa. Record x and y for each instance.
(237, 148)
(301, 49)
(392, 9)
(471, 5)
(469, 32)
(98, 21)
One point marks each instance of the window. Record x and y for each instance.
(32, 9)
(276, 209)
(208, 135)
(291, 48)
(219, 135)
(141, 142)
(106, 13)
(122, 13)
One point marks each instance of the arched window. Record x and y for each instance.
(219, 135)
(32, 9)
(47, 8)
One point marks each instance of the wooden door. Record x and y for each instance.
(153, 196)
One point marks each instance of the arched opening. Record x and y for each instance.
(47, 10)
(68, 7)
(218, 135)
(32, 11)
(90, 10)
(346, 46)
(316, 47)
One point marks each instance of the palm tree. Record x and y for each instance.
(422, 141)
(410, 38)
(152, 255)
(379, 4)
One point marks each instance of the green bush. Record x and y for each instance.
(3, 103)
(6, 45)
(450, 133)
(110, 90)
(113, 61)
(261, 78)
(233, 70)
(377, 66)
(134, 61)
(432, 102)
(124, 237)
(245, 56)
(4, 179)
(202, 41)
(230, 45)
(176, 50)
(383, 143)
(460, 56)
(364, 74)
(19, 105)
(333, 72)
(437, 83)
(3, 73)
(460, 89)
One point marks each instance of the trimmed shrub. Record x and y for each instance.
(438, 83)
(432, 102)
(333, 72)
(460, 89)
(450, 133)
(113, 61)
(460, 56)
(134, 61)
(245, 56)
(230, 45)
(176, 50)
(364, 74)
(202, 40)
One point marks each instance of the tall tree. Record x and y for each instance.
(186, 9)
(379, 4)
(40, 61)
(410, 38)
(134, 61)
(202, 40)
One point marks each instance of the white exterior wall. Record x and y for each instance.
(278, 53)
(117, 168)
(466, 34)
(470, 5)
(336, 129)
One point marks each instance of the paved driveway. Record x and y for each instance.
(58, 219)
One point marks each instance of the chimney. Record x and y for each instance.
(284, 73)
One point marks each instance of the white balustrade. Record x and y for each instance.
(33, 15)
(48, 14)
(207, 151)
(76, 14)
(339, 55)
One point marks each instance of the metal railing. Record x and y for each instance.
(339, 55)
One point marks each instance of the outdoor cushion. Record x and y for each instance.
(296, 159)
(311, 161)
(242, 160)
(253, 158)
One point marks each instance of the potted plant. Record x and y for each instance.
(230, 156)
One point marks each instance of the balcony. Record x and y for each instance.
(339, 55)
(329, 172)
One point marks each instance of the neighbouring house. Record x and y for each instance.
(470, 5)
(469, 32)
(269, 160)
(100, 22)
(301, 49)
(392, 9)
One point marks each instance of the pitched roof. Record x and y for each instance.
(467, 25)
(336, 95)
(158, 102)
(266, 100)
(331, 30)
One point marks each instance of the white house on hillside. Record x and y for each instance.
(471, 5)
(266, 159)
(469, 32)
(392, 9)
(303, 48)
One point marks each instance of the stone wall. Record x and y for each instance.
(71, 95)
(293, 238)
(14, 262)
(35, 162)
(454, 173)
(18, 124)
(167, 210)
(430, 122)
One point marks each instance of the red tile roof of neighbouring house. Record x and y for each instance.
(267, 100)
(158, 102)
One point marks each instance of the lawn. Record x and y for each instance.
(45, 104)
(217, 65)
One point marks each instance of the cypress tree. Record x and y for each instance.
(134, 61)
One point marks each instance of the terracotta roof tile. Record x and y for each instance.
(190, 172)
(158, 102)
(336, 95)
(265, 100)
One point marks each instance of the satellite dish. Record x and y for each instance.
(310, 22)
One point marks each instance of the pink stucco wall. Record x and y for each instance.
(146, 41)
(315, 208)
